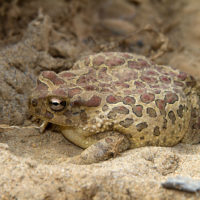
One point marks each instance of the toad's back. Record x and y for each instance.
(151, 104)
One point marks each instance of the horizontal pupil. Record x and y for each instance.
(63, 103)
(54, 103)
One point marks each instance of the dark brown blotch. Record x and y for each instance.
(179, 83)
(114, 61)
(67, 75)
(172, 116)
(41, 86)
(156, 131)
(143, 63)
(165, 79)
(52, 76)
(94, 101)
(139, 84)
(191, 83)
(113, 99)
(161, 106)
(139, 64)
(82, 80)
(164, 123)
(141, 126)
(121, 84)
(157, 91)
(171, 98)
(128, 100)
(83, 116)
(127, 122)
(121, 110)
(139, 91)
(74, 91)
(147, 97)
(134, 65)
(91, 88)
(87, 78)
(151, 73)
(194, 112)
(99, 60)
(151, 112)
(137, 110)
(180, 111)
(182, 76)
(112, 115)
(197, 124)
(149, 79)
(104, 108)
(103, 76)
(142, 138)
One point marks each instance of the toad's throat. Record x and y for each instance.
(77, 136)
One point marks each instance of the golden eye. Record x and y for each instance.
(57, 104)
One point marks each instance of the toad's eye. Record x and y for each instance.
(57, 104)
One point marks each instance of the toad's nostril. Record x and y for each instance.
(34, 102)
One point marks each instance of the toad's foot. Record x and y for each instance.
(102, 150)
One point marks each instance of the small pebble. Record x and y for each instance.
(181, 183)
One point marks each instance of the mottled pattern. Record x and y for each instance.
(137, 110)
(141, 126)
(150, 104)
(151, 112)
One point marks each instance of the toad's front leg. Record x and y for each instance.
(102, 149)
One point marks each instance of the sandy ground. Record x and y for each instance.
(51, 35)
